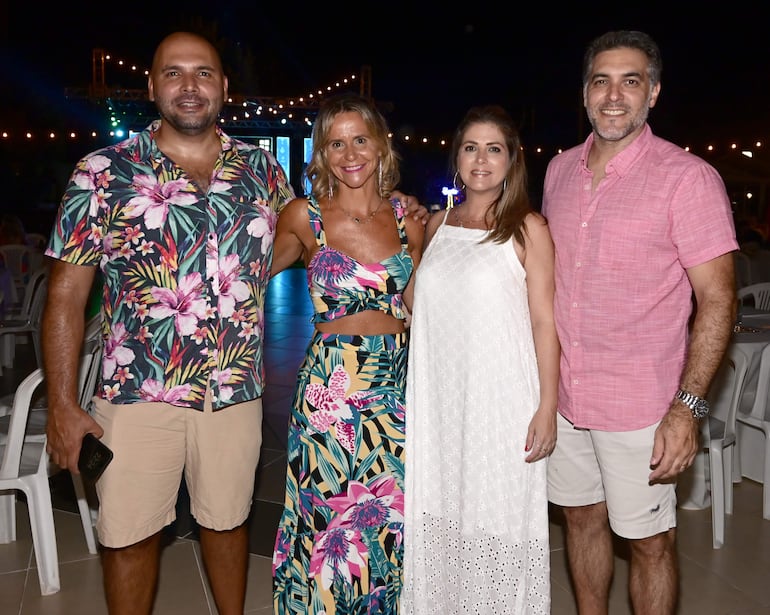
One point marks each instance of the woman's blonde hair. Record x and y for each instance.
(318, 171)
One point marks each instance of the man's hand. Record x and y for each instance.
(65, 429)
(677, 440)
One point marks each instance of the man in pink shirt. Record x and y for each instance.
(644, 235)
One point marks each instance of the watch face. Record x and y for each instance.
(701, 408)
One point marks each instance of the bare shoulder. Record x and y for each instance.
(295, 211)
(536, 227)
(296, 205)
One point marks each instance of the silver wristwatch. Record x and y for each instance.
(697, 405)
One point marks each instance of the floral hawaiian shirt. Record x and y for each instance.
(185, 272)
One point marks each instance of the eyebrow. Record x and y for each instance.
(469, 141)
(208, 67)
(633, 73)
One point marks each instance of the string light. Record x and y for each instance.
(282, 111)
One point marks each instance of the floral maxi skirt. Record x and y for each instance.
(339, 545)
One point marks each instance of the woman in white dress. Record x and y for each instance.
(481, 390)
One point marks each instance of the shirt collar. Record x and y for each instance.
(226, 140)
(622, 162)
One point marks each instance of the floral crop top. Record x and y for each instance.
(340, 285)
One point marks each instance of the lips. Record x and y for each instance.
(190, 101)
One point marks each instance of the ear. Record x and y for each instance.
(150, 89)
(654, 95)
(225, 86)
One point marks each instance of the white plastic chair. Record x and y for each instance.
(753, 412)
(90, 363)
(27, 321)
(22, 261)
(30, 477)
(718, 433)
(757, 295)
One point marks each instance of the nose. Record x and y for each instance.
(614, 92)
(189, 83)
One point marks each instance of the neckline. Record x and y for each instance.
(468, 223)
(360, 219)
(367, 266)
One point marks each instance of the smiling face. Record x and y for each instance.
(618, 95)
(351, 151)
(187, 83)
(483, 159)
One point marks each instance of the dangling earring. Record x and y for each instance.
(379, 187)
(505, 185)
(454, 181)
(331, 187)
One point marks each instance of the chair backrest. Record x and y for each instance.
(23, 310)
(18, 424)
(21, 260)
(756, 405)
(726, 390)
(758, 293)
(90, 364)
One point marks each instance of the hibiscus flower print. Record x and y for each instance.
(115, 353)
(184, 304)
(89, 177)
(153, 198)
(231, 289)
(152, 390)
(263, 226)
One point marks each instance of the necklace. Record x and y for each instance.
(358, 219)
(461, 222)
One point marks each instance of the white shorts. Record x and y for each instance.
(153, 443)
(590, 466)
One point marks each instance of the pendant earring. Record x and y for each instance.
(331, 187)
(454, 182)
(505, 185)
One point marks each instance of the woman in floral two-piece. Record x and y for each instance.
(339, 546)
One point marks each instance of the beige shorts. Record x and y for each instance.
(590, 466)
(153, 443)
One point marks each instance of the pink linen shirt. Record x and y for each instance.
(623, 298)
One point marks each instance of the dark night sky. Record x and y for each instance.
(429, 60)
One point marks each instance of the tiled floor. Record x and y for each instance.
(733, 580)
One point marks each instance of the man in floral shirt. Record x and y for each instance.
(180, 219)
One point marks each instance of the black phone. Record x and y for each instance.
(95, 456)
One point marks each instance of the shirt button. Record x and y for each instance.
(574, 305)
(576, 381)
(578, 264)
(211, 235)
(584, 224)
(575, 343)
